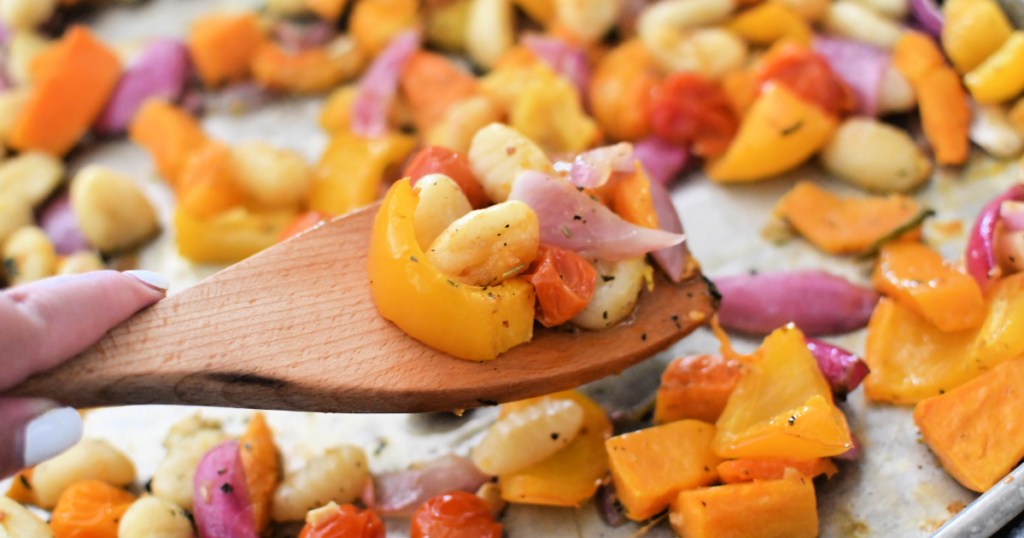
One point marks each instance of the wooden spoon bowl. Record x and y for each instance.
(294, 327)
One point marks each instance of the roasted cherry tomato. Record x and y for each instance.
(302, 223)
(809, 76)
(564, 283)
(344, 521)
(686, 108)
(439, 160)
(454, 515)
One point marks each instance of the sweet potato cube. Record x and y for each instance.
(977, 429)
(747, 470)
(222, 46)
(75, 81)
(170, 135)
(762, 509)
(650, 467)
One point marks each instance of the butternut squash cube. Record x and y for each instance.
(977, 429)
(761, 509)
(650, 467)
(782, 406)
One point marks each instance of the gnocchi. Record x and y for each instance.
(849, 19)
(536, 431)
(153, 517)
(487, 246)
(90, 459)
(28, 256)
(489, 31)
(14, 214)
(30, 177)
(498, 153)
(338, 475)
(17, 521)
(441, 202)
(618, 288)
(875, 156)
(271, 177)
(186, 444)
(112, 211)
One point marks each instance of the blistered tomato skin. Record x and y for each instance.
(808, 76)
(688, 109)
(454, 515)
(465, 321)
(345, 521)
(439, 160)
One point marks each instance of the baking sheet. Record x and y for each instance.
(897, 489)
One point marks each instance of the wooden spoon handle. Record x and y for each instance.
(253, 335)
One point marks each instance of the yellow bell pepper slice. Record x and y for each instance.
(229, 236)
(782, 407)
(972, 30)
(571, 475)
(1000, 77)
(767, 23)
(351, 170)
(921, 280)
(468, 322)
(779, 132)
(911, 359)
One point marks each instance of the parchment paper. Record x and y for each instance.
(897, 489)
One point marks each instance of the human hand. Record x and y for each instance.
(43, 324)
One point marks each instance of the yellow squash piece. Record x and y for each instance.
(767, 23)
(779, 132)
(972, 30)
(782, 406)
(911, 359)
(771, 508)
(922, 281)
(228, 237)
(651, 466)
(977, 429)
(845, 225)
(351, 170)
(467, 322)
(1000, 77)
(571, 475)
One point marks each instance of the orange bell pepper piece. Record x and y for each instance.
(921, 280)
(222, 46)
(170, 135)
(631, 199)
(74, 82)
(260, 460)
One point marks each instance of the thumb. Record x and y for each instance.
(47, 322)
(33, 430)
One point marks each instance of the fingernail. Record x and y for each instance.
(51, 433)
(151, 279)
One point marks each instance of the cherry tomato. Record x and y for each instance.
(439, 160)
(686, 108)
(345, 521)
(302, 223)
(809, 76)
(454, 515)
(564, 283)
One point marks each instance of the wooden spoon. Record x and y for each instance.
(294, 327)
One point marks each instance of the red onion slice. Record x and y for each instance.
(398, 494)
(572, 219)
(980, 256)
(818, 303)
(1012, 214)
(854, 453)
(859, 65)
(672, 260)
(221, 506)
(563, 58)
(593, 168)
(929, 15)
(160, 71)
(843, 370)
(59, 222)
(663, 161)
(379, 85)
(297, 36)
(608, 506)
